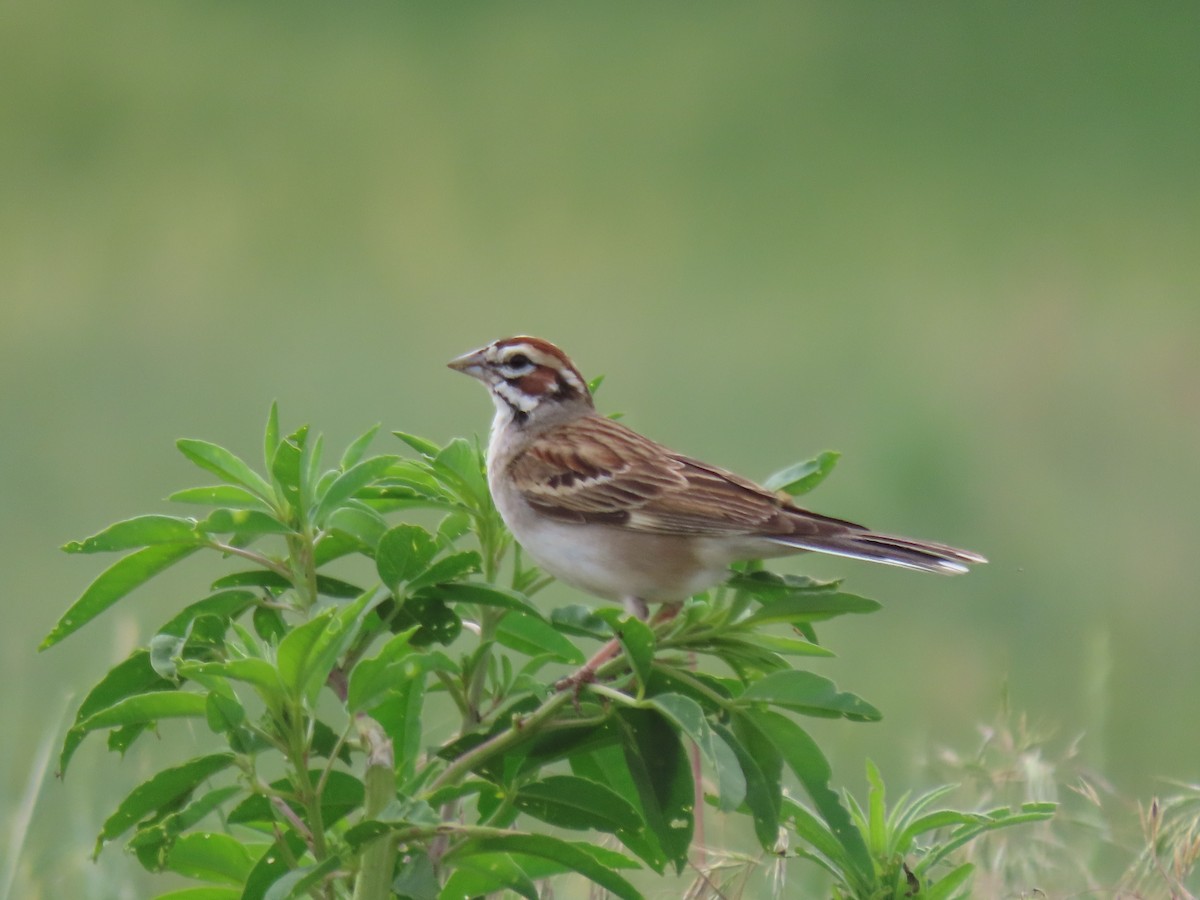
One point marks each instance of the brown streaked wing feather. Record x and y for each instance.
(595, 470)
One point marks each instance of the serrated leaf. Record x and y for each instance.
(809, 694)
(346, 485)
(225, 465)
(140, 531)
(114, 583)
(803, 476)
(167, 789)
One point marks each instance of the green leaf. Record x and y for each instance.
(662, 775)
(534, 637)
(689, 717)
(607, 766)
(487, 874)
(580, 621)
(546, 847)
(329, 587)
(809, 607)
(809, 694)
(285, 465)
(148, 708)
(131, 677)
(403, 553)
(220, 495)
(364, 525)
(577, 803)
(425, 448)
(371, 679)
(357, 448)
(803, 476)
(638, 642)
(809, 765)
(202, 893)
(761, 774)
(460, 465)
(774, 643)
(271, 434)
(272, 864)
(300, 882)
(114, 583)
(257, 672)
(140, 531)
(948, 885)
(225, 465)
(166, 790)
(296, 651)
(349, 483)
(333, 641)
(772, 586)
(484, 595)
(343, 795)
(227, 605)
(447, 569)
(242, 521)
(211, 857)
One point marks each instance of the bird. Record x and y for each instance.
(624, 518)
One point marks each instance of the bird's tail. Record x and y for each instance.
(908, 553)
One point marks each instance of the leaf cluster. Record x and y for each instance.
(323, 780)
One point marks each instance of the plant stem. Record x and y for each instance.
(520, 730)
(258, 558)
(378, 856)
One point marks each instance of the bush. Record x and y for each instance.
(318, 692)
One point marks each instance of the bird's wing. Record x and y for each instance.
(596, 470)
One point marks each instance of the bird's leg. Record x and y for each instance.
(586, 673)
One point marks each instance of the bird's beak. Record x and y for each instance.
(469, 364)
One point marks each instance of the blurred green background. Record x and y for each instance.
(958, 243)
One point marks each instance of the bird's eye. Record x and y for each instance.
(519, 361)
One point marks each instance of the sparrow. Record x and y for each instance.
(621, 517)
